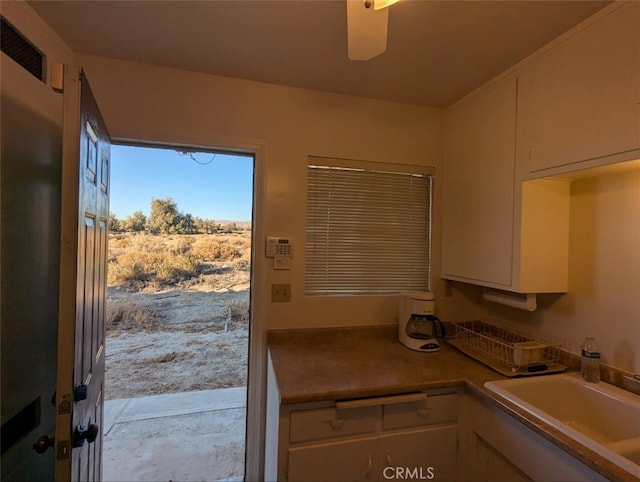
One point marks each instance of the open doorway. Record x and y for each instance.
(177, 314)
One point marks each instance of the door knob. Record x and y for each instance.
(82, 433)
(42, 444)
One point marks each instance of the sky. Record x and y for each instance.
(219, 189)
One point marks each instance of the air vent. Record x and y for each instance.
(21, 50)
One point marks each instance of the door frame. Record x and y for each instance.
(69, 207)
(80, 109)
(257, 366)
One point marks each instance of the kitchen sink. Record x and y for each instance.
(601, 416)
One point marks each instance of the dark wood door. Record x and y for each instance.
(85, 205)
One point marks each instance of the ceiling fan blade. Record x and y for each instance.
(366, 30)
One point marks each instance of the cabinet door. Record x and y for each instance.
(429, 454)
(582, 99)
(478, 206)
(352, 460)
(491, 466)
(494, 446)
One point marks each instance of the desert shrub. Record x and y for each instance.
(239, 241)
(119, 241)
(139, 261)
(154, 266)
(239, 310)
(149, 260)
(212, 249)
(148, 243)
(129, 316)
(181, 244)
(122, 272)
(175, 267)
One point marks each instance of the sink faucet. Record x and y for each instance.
(632, 383)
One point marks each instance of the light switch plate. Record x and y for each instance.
(281, 293)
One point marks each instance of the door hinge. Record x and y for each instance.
(64, 407)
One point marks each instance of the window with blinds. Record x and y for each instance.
(368, 227)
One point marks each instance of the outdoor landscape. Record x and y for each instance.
(177, 303)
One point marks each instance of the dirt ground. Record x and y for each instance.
(192, 336)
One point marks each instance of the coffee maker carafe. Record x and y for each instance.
(418, 326)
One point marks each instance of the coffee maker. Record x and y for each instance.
(417, 324)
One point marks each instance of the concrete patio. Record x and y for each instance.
(192, 436)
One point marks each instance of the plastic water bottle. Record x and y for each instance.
(591, 360)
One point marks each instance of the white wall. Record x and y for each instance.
(283, 126)
(604, 272)
(143, 102)
(29, 24)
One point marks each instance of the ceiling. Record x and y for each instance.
(437, 50)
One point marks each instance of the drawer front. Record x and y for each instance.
(435, 409)
(330, 422)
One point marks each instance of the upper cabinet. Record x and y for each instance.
(579, 102)
(479, 186)
(499, 232)
(575, 104)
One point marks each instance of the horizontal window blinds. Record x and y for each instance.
(368, 230)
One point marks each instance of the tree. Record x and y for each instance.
(205, 226)
(186, 224)
(230, 228)
(114, 224)
(164, 217)
(136, 222)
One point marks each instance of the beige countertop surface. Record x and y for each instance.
(344, 363)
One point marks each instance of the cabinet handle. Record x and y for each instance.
(369, 402)
(423, 412)
(335, 424)
(389, 462)
(367, 473)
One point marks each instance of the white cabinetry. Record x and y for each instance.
(334, 461)
(479, 187)
(573, 105)
(497, 231)
(329, 441)
(580, 99)
(496, 447)
(427, 454)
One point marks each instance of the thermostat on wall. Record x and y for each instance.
(280, 249)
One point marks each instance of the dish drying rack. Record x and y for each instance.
(507, 352)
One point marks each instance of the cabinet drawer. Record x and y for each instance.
(331, 422)
(435, 409)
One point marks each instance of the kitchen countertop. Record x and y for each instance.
(345, 363)
(333, 364)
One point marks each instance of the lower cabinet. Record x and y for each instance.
(410, 455)
(495, 447)
(335, 461)
(404, 437)
(420, 455)
(486, 463)
(444, 435)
